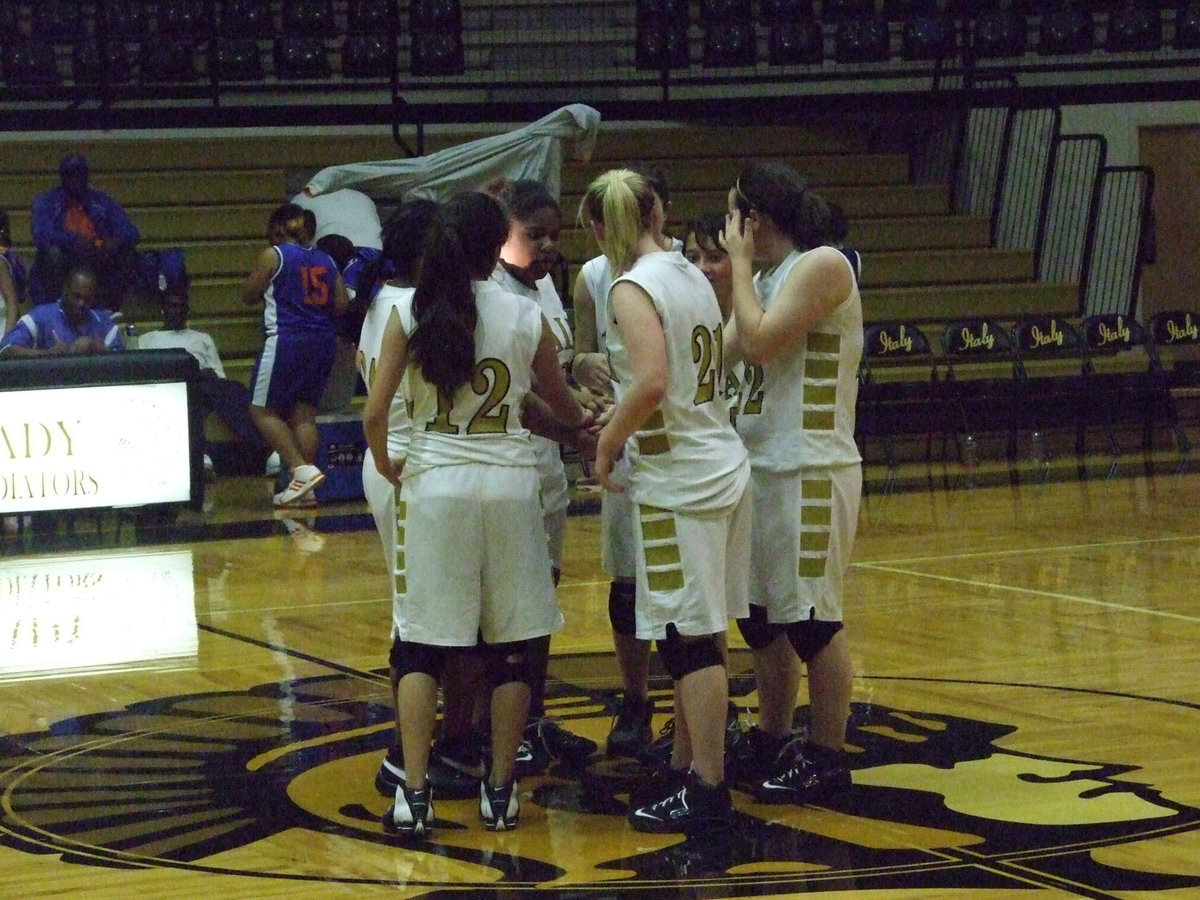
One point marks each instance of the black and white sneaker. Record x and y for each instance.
(455, 767)
(545, 740)
(659, 782)
(630, 733)
(498, 806)
(391, 772)
(816, 774)
(411, 815)
(694, 807)
(757, 756)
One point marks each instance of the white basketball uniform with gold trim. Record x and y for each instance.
(618, 551)
(475, 549)
(379, 492)
(556, 493)
(796, 415)
(690, 470)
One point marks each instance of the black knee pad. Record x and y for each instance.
(810, 637)
(682, 656)
(622, 599)
(756, 631)
(409, 656)
(513, 661)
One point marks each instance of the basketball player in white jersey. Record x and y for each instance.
(799, 326)
(689, 475)
(475, 556)
(525, 262)
(630, 734)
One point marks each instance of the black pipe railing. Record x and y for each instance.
(519, 61)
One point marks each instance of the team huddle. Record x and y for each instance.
(714, 391)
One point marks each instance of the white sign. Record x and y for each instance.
(95, 611)
(94, 446)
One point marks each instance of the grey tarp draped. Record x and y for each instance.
(534, 151)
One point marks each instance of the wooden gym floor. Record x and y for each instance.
(202, 711)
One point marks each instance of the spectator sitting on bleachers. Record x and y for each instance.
(70, 325)
(13, 279)
(74, 223)
(214, 393)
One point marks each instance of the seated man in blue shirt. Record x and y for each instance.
(76, 223)
(67, 326)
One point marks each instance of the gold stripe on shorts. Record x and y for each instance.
(818, 420)
(400, 573)
(820, 368)
(816, 519)
(823, 342)
(652, 439)
(660, 544)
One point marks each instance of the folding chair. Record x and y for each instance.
(1049, 372)
(897, 387)
(1118, 377)
(979, 383)
(1175, 354)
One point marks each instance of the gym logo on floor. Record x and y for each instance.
(278, 782)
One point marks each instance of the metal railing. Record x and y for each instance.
(1086, 222)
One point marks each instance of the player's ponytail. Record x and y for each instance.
(780, 192)
(463, 245)
(622, 202)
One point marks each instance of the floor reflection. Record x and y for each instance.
(72, 612)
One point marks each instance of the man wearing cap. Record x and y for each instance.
(73, 223)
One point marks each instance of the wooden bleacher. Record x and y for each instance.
(212, 196)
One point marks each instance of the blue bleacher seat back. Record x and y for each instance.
(246, 19)
(367, 56)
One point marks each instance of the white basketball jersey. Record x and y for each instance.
(549, 454)
(481, 422)
(686, 457)
(370, 344)
(797, 410)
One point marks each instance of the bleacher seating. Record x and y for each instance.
(509, 49)
(922, 265)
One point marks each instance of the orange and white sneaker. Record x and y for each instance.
(304, 479)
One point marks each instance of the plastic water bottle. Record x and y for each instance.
(1039, 455)
(970, 459)
(131, 337)
(1037, 448)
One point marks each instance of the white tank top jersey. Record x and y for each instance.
(546, 295)
(482, 422)
(797, 410)
(686, 457)
(370, 344)
(549, 454)
(597, 276)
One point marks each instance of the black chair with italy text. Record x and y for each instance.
(1175, 353)
(979, 384)
(1050, 386)
(897, 388)
(1119, 377)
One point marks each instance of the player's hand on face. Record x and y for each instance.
(738, 236)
